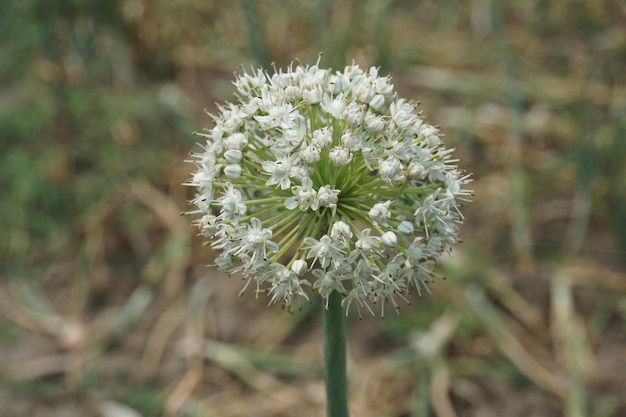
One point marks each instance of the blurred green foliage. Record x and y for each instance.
(78, 120)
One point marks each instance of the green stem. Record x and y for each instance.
(335, 357)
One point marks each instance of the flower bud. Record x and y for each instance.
(299, 267)
(233, 156)
(312, 95)
(389, 239)
(334, 84)
(406, 228)
(378, 102)
(232, 171)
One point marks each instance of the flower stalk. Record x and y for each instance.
(335, 366)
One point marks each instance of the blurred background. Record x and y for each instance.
(108, 307)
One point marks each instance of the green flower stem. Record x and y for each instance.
(335, 357)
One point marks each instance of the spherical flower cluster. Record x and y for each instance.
(330, 181)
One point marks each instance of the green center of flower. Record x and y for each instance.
(355, 191)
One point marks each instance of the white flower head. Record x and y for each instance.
(326, 181)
